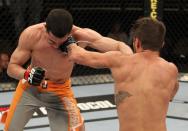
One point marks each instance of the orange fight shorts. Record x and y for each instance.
(58, 100)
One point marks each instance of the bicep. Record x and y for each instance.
(86, 34)
(106, 44)
(23, 51)
(95, 40)
(20, 56)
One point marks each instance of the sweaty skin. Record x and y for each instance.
(144, 85)
(42, 47)
(35, 43)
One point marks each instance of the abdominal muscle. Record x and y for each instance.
(56, 64)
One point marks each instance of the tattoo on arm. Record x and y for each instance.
(120, 96)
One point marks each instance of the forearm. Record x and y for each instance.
(91, 38)
(15, 71)
(107, 44)
(81, 56)
(76, 54)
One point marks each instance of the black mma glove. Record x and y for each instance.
(63, 47)
(34, 75)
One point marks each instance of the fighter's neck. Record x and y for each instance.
(153, 53)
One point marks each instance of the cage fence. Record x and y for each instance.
(99, 15)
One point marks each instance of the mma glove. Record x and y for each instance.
(63, 47)
(34, 75)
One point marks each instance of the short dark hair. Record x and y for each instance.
(151, 32)
(59, 22)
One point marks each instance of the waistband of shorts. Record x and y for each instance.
(59, 83)
(49, 82)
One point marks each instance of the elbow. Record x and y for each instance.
(9, 72)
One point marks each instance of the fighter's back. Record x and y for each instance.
(144, 87)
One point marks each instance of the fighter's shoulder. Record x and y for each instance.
(170, 67)
(116, 58)
(173, 67)
(32, 32)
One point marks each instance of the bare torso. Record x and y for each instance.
(58, 67)
(143, 91)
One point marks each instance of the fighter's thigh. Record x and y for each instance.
(66, 117)
(20, 118)
(21, 110)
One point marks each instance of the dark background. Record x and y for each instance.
(100, 15)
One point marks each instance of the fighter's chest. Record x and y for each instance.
(43, 53)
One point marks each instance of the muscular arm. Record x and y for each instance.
(99, 42)
(176, 85)
(20, 56)
(92, 59)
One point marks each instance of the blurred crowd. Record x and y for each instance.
(23, 13)
(4, 61)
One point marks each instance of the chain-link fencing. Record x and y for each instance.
(99, 15)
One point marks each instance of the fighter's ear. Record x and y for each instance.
(137, 43)
(46, 26)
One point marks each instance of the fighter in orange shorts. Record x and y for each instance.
(44, 44)
(57, 98)
(41, 43)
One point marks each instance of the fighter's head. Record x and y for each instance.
(148, 34)
(59, 22)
